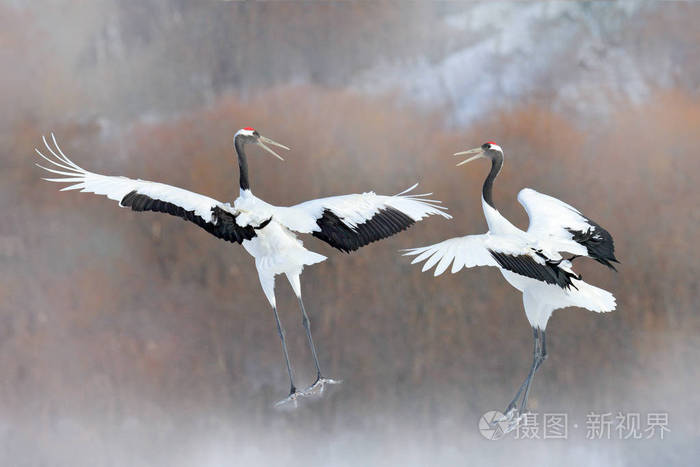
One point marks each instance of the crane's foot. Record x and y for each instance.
(291, 401)
(318, 387)
(511, 412)
(509, 421)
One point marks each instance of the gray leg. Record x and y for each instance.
(280, 331)
(543, 350)
(540, 359)
(523, 404)
(526, 383)
(318, 386)
(305, 321)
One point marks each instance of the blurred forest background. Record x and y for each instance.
(137, 339)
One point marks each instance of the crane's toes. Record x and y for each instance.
(511, 413)
(290, 401)
(318, 387)
(509, 421)
(512, 423)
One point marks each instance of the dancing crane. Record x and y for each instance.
(531, 261)
(265, 231)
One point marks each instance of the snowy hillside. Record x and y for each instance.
(566, 54)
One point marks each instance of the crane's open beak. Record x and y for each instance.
(261, 142)
(479, 153)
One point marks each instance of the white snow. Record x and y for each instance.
(513, 50)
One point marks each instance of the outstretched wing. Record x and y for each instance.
(352, 221)
(565, 228)
(461, 252)
(216, 218)
(511, 254)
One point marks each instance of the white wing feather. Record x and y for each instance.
(356, 209)
(468, 251)
(549, 219)
(115, 187)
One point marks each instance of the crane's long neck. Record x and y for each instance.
(487, 190)
(242, 164)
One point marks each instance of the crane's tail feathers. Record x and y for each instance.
(592, 298)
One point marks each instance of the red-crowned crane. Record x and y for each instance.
(265, 231)
(531, 261)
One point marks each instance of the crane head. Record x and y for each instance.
(488, 150)
(250, 135)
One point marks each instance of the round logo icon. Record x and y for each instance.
(492, 425)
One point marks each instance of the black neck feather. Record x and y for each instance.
(496, 165)
(242, 164)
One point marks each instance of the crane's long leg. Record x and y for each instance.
(533, 308)
(540, 359)
(535, 365)
(280, 331)
(321, 381)
(267, 281)
(305, 321)
(543, 349)
(526, 382)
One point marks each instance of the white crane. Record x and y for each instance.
(265, 231)
(531, 261)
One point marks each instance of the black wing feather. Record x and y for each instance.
(526, 265)
(385, 223)
(598, 242)
(223, 223)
